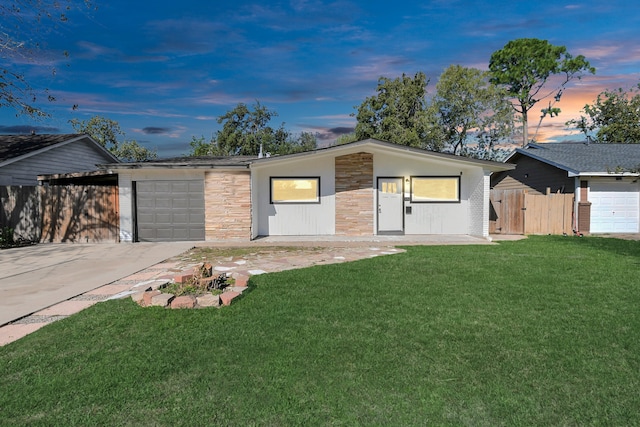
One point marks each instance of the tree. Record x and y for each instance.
(523, 67)
(108, 133)
(399, 113)
(24, 28)
(346, 138)
(246, 131)
(467, 105)
(614, 117)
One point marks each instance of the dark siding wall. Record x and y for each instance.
(79, 156)
(534, 176)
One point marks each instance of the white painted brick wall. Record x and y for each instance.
(479, 207)
(125, 195)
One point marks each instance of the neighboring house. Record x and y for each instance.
(603, 177)
(24, 157)
(363, 188)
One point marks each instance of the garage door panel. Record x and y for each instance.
(170, 210)
(615, 207)
(162, 187)
(180, 203)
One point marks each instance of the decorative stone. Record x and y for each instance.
(240, 280)
(184, 301)
(227, 297)
(161, 300)
(238, 289)
(138, 297)
(159, 283)
(182, 278)
(146, 298)
(208, 300)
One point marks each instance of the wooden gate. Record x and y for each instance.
(518, 212)
(86, 213)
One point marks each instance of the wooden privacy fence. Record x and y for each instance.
(61, 213)
(518, 212)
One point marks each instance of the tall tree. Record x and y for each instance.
(469, 105)
(108, 133)
(523, 67)
(246, 131)
(399, 113)
(25, 26)
(614, 117)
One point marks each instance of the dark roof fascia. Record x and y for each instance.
(58, 145)
(495, 166)
(171, 165)
(73, 175)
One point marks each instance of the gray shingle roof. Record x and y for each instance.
(12, 146)
(583, 157)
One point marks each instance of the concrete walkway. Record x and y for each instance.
(35, 277)
(43, 283)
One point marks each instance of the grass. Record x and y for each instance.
(543, 331)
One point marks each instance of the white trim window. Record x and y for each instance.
(294, 189)
(435, 189)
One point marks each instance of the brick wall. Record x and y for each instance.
(354, 194)
(227, 203)
(478, 207)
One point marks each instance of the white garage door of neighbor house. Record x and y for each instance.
(615, 207)
(170, 210)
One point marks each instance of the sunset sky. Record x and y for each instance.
(166, 72)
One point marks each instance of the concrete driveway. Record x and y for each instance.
(35, 277)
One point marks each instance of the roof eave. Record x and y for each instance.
(58, 145)
(570, 171)
(485, 164)
(600, 174)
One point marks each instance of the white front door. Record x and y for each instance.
(390, 206)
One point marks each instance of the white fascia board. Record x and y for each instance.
(601, 174)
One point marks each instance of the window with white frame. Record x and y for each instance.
(295, 190)
(435, 189)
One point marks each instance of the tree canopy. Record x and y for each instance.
(246, 131)
(108, 133)
(467, 104)
(614, 117)
(24, 28)
(468, 115)
(523, 67)
(399, 113)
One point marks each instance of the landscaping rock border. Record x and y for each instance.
(155, 297)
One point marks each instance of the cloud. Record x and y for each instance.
(329, 134)
(26, 129)
(156, 130)
(171, 132)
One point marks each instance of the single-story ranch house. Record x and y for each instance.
(363, 188)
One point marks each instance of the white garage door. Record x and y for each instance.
(170, 210)
(614, 207)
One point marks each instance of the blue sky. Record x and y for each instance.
(166, 70)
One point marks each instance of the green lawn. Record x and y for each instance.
(544, 331)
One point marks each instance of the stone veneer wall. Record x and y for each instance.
(354, 194)
(227, 204)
